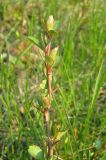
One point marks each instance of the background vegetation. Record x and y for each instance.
(79, 75)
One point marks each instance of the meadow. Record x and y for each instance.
(52, 79)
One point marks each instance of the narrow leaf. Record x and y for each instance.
(33, 39)
(59, 135)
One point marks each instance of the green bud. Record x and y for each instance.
(54, 53)
(51, 58)
(50, 23)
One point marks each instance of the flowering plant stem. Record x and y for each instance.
(50, 56)
(50, 146)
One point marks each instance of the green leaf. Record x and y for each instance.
(43, 84)
(33, 39)
(49, 60)
(36, 152)
(57, 60)
(12, 59)
(59, 135)
(53, 33)
(39, 101)
(103, 157)
(3, 57)
(54, 53)
(20, 65)
(98, 144)
(57, 25)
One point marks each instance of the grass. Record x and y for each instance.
(78, 76)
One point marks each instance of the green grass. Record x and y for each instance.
(79, 76)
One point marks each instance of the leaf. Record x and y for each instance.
(53, 33)
(57, 158)
(36, 152)
(3, 57)
(43, 84)
(49, 60)
(59, 135)
(39, 101)
(12, 59)
(57, 60)
(66, 140)
(54, 53)
(20, 64)
(57, 25)
(98, 144)
(33, 39)
(103, 157)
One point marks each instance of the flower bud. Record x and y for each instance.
(50, 23)
(54, 53)
(46, 101)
